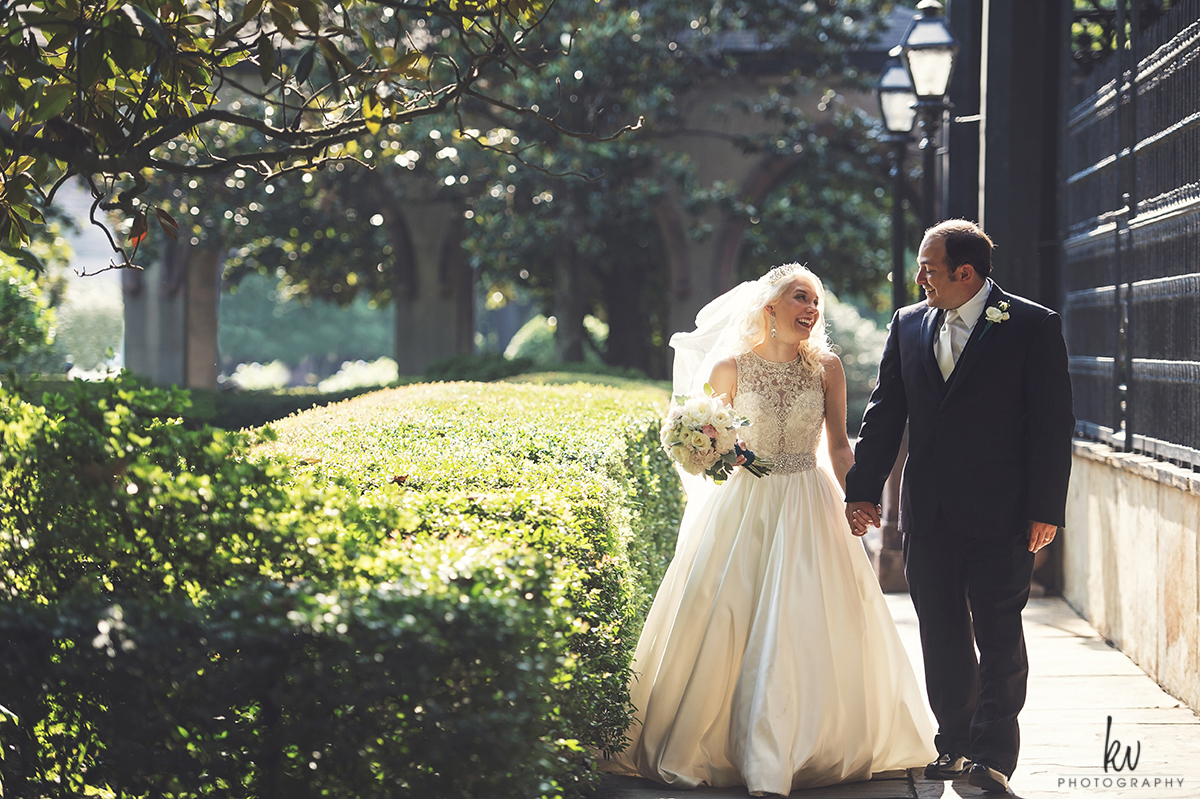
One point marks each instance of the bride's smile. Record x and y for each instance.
(796, 313)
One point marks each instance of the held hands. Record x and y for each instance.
(862, 515)
(1040, 534)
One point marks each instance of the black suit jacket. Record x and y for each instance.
(991, 446)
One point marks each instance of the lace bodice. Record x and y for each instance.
(786, 407)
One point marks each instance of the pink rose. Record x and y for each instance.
(709, 431)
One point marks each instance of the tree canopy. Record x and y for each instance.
(574, 220)
(120, 90)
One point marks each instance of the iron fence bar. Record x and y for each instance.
(1178, 45)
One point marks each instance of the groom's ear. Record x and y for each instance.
(966, 272)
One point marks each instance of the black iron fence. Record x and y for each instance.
(1131, 200)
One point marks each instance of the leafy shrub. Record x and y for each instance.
(483, 367)
(26, 319)
(490, 550)
(104, 493)
(434, 685)
(859, 342)
(535, 341)
(574, 471)
(238, 410)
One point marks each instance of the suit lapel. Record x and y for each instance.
(977, 342)
(928, 327)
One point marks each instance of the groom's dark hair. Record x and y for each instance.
(966, 243)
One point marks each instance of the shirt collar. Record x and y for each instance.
(972, 309)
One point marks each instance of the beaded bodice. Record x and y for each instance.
(785, 404)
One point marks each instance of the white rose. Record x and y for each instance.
(725, 440)
(699, 441)
(668, 435)
(722, 418)
(994, 314)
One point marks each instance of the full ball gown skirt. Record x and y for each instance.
(769, 658)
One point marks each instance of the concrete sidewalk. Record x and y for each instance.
(1077, 681)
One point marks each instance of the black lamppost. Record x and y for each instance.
(928, 52)
(897, 107)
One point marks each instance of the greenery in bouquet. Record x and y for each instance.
(700, 434)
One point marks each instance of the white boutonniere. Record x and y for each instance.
(995, 314)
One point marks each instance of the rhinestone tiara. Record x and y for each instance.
(779, 273)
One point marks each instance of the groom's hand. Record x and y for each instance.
(862, 515)
(1040, 534)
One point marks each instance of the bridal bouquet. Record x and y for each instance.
(700, 434)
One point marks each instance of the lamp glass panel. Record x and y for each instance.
(930, 70)
(898, 113)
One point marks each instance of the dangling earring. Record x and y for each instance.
(773, 333)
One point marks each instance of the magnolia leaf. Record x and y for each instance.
(252, 9)
(283, 21)
(28, 213)
(372, 111)
(167, 222)
(153, 27)
(139, 230)
(17, 233)
(367, 38)
(224, 36)
(266, 58)
(414, 66)
(52, 102)
(310, 14)
(304, 64)
(27, 260)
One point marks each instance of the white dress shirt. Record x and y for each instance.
(957, 325)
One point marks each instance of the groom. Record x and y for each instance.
(980, 378)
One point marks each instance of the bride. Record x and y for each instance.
(769, 658)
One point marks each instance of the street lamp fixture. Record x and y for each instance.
(897, 100)
(929, 49)
(928, 52)
(898, 109)
(916, 86)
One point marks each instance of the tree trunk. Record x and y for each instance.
(572, 293)
(570, 306)
(628, 319)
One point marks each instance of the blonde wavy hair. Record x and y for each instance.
(776, 283)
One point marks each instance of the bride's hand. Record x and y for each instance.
(862, 515)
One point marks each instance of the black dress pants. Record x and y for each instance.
(968, 592)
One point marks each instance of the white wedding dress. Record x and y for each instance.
(769, 658)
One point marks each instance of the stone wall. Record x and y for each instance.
(1131, 561)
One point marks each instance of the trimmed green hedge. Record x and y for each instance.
(490, 548)
(575, 471)
(224, 409)
(430, 686)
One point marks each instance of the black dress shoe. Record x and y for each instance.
(947, 766)
(988, 779)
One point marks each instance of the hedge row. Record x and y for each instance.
(431, 591)
(484, 460)
(276, 691)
